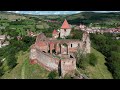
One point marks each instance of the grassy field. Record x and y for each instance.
(25, 70)
(99, 71)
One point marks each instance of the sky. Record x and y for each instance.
(54, 12)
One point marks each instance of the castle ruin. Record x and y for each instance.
(54, 54)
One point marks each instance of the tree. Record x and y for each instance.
(114, 64)
(92, 59)
(81, 59)
(76, 34)
(52, 75)
(1, 72)
(109, 47)
(28, 40)
(11, 61)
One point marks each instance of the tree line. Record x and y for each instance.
(110, 47)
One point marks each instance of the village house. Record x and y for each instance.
(99, 30)
(3, 41)
(58, 54)
(31, 34)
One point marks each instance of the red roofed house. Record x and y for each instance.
(55, 34)
(65, 29)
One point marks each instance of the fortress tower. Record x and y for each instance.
(65, 29)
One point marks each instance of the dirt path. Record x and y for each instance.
(23, 71)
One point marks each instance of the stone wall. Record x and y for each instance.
(51, 62)
(86, 43)
(43, 46)
(68, 65)
(45, 59)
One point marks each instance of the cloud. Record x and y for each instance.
(17, 11)
(45, 12)
(55, 12)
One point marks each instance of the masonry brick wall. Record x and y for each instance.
(43, 46)
(68, 65)
(51, 63)
(46, 59)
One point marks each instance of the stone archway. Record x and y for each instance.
(64, 48)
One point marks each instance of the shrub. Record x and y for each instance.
(52, 75)
(82, 59)
(11, 61)
(1, 72)
(92, 59)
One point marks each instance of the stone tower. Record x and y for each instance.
(86, 42)
(65, 29)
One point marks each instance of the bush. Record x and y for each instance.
(82, 60)
(92, 59)
(76, 34)
(1, 72)
(52, 75)
(114, 65)
(11, 61)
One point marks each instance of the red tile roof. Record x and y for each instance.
(54, 32)
(65, 25)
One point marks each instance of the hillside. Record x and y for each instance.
(18, 24)
(25, 70)
(21, 23)
(92, 17)
(97, 19)
(11, 16)
(99, 71)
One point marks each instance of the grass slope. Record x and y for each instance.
(24, 70)
(100, 71)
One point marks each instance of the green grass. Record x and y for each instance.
(25, 70)
(99, 71)
(34, 71)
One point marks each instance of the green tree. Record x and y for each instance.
(11, 61)
(53, 75)
(1, 72)
(114, 64)
(81, 59)
(92, 59)
(76, 34)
